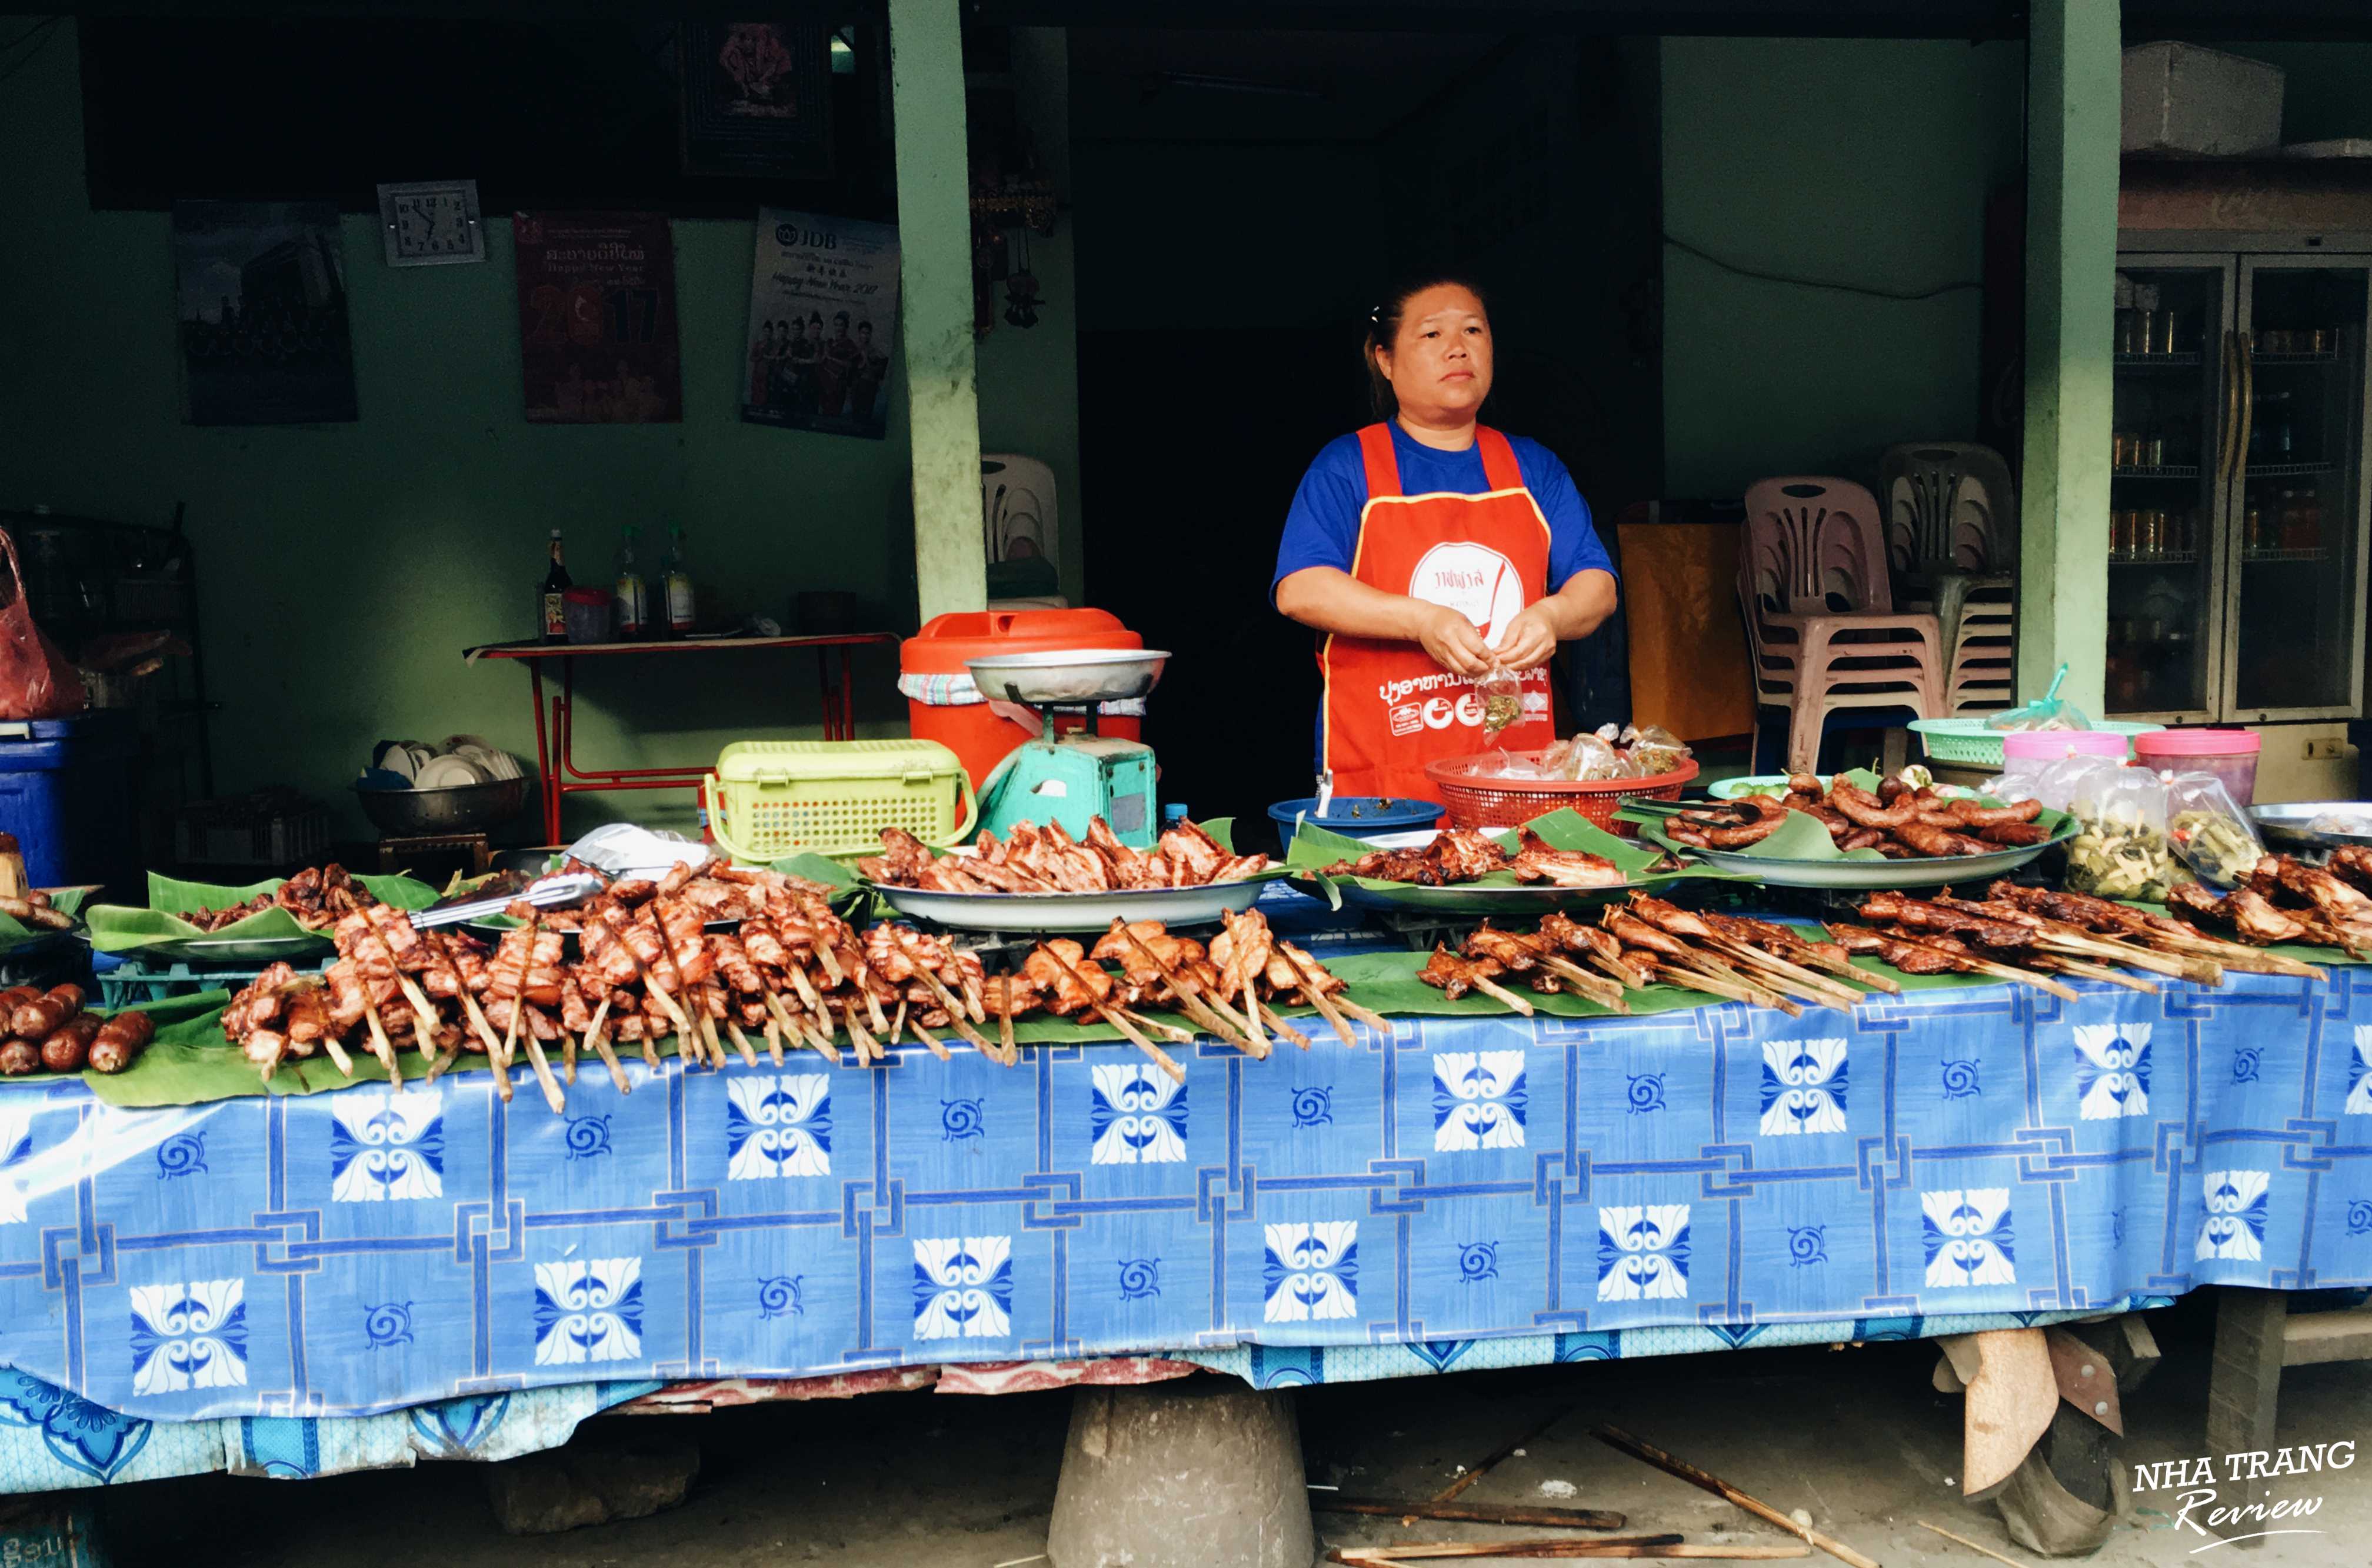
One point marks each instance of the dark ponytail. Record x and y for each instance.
(1384, 330)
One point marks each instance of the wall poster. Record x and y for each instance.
(756, 97)
(597, 318)
(261, 296)
(823, 321)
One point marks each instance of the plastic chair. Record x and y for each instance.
(1951, 527)
(1819, 613)
(1017, 505)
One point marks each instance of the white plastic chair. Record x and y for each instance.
(1018, 518)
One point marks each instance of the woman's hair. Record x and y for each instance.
(1384, 330)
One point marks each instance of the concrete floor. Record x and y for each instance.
(1858, 1438)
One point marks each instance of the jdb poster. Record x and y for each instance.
(823, 321)
(596, 318)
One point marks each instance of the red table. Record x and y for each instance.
(564, 777)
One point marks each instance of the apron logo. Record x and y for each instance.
(1407, 717)
(1472, 579)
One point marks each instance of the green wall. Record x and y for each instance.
(343, 568)
(1859, 161)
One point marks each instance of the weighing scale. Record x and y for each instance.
(1070, 776)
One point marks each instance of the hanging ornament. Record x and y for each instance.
(1021, 288)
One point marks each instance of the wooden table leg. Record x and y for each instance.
(2244, 1385)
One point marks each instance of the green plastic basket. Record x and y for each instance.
(770, 799)
(1965, 742)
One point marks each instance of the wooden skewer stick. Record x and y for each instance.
(337, 1054)
(1204, 1007)
(955, 1009)
(805, 988)
(1779, 968)
(973, 1005)
(1607, 994)
(1471, 1514)
(1332, 1005)
(381, 1047)
(1005, 1023)
(551, 1093)
(1315, 994)
(1466, 1478)
(599, 1039)
(1161, 1058)
(898, 1025)
(567, 1053)
(741, 1042)
(1692, 979)
(2101, 972)
(1250, 1008)
(1169, 1032)
(1758, 990)
(443, 1063)
(1632, 977)
(872, 1003)
(775, 1037)
(868, 1048)
(1492, 988)
(2016, 976)
(2202, 969)
(1615, 1437)
(1659, 1546)
(421, 1010)
(938, 1048)
(830, 963)
(791, 1026)
(1278, 1025)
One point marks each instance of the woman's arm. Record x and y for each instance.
(1330, 599)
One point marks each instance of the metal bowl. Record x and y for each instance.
(2285, 826)
(464, 808)
(1073, 676)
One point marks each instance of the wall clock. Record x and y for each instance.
(431, 223)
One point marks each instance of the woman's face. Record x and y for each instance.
(1439, 362)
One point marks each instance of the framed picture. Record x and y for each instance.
(597, 318)
(756, 97)
(261, 295)
(823, 324)
(431, 223)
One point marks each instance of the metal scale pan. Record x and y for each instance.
(1074, 678)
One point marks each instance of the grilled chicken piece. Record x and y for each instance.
(1072, 984)
(1294, 974)
(902, 860)
(1455, 976)
(1241, 950)
(1922, 914)
(1536, 862)
(2312, 885)
(1195, 854)
(1911, 958)
(1456, 854)
(2352, 864)
(2245, 913)
(1504, 948)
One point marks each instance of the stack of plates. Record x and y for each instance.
(462, 761)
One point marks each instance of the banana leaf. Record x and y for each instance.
(177, 1018)
(15, 934)
(115, 927)
(1563, 829)
(1804, 837)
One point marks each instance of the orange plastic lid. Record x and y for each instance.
(942, 646)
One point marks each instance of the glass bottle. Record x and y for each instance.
(677, 576)
(551, 598)
(628, 594)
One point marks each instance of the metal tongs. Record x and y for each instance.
(551, 892)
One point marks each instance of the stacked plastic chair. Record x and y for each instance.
(1820, 621)
(1951, 532)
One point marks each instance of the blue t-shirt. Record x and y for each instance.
(1323, 529)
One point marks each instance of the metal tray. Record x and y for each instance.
(1862, 875)
(236, 950)
(1068, 678)
(1072, 912)
(1463, 898)
(2285, 826)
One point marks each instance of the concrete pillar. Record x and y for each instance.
(926, 91)
(2071, 133)
(1181, 1475)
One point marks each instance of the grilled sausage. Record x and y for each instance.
(18, 1057)
(2015, 833)
(1865, 810)
(120, 1041)
(32, 914)
(39, 1020)
(66, 1051)
(16, 996)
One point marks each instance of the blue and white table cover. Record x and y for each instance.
(1949, 1153)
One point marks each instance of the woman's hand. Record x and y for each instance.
(1530, 639)
(1453, 641)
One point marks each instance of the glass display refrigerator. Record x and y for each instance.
(2238, 510)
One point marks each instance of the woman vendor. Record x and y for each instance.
(1429, 549)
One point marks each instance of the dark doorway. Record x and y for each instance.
(1192, 479)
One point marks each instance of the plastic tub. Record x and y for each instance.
(2037, 745)
(1354, 816)
(66, 793)
(1965, 742)
(589, 612)
(942, 704)
(2229, 754)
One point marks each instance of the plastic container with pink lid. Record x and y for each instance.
(2229, 754)
(2029, 747)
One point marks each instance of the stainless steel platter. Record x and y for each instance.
(1072, 912)
(2290, 827)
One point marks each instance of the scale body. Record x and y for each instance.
(1072, 777)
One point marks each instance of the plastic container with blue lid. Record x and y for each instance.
(66, 795)
(1356, 816)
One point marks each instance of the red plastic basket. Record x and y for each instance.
(1508, 803)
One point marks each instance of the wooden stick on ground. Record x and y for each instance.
(1450, 1493)
(1973, 1546)
(1663, 1546)
(1473, 1514)
(1615, 1437)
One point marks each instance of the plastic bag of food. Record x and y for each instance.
(36, 680)
(2045, 712)
(2215, 837)
(1587, 757)
(1502, 692)
(1655, 749)
(2060, 782)
(2122, 850)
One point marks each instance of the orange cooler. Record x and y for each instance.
(975, 734)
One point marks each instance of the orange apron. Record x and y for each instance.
(1388, 708)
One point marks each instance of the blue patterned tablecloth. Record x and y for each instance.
(1949, 1153)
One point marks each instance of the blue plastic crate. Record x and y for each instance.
(67, 794)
